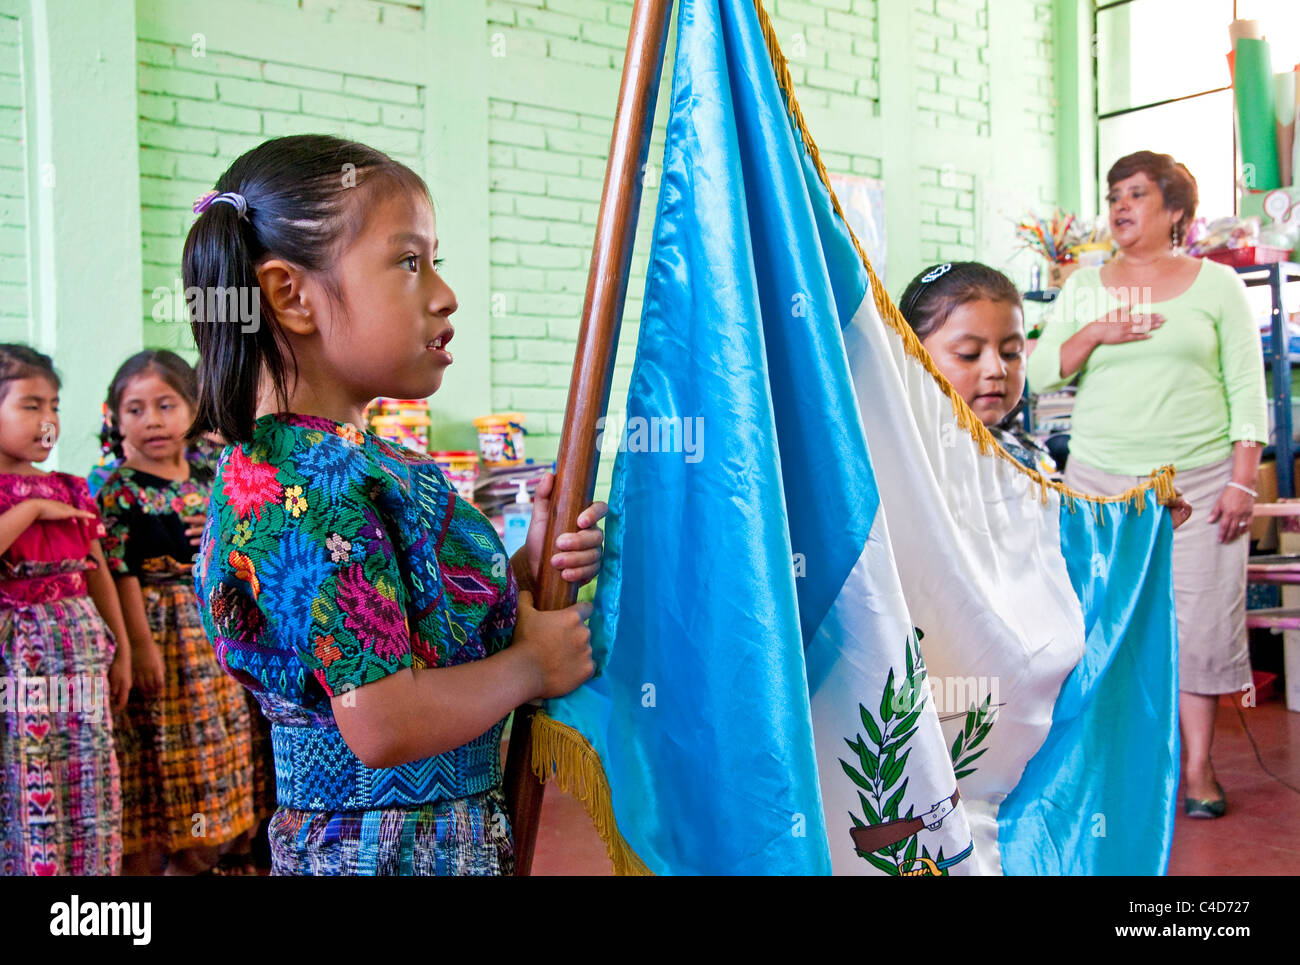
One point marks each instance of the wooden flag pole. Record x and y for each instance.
(593, 367)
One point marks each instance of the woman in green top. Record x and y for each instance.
(1167, 356)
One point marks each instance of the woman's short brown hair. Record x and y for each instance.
(1176, 184)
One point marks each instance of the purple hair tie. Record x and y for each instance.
(237, 201)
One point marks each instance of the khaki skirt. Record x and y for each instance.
(1209, 578)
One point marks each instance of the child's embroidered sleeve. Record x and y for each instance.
(83, 500)
(360, 632)
(309, 542)
(113, 505)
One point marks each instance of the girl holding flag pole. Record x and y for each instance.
(370, 609)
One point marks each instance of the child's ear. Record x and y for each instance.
(283, 287)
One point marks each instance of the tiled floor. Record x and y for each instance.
(1260, 834)
(567, 844)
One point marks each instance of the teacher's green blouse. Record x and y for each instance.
(1183, 396)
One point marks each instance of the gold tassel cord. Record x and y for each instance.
(1161, 479)
(561, 752)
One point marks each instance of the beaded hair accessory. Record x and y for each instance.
(237, 201)
(935, 273)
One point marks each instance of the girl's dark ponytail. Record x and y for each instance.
(220, 259)
(110, 440)
(303, 199)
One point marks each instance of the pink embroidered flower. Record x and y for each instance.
(248, 485)
(372, 613)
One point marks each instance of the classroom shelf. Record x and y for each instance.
(1279, 360)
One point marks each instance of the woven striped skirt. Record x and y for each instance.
(466, 836)
(185, 752)
(60, 803)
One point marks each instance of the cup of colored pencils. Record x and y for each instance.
(1061, 239)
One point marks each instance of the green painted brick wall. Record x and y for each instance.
(199, 112)
(588, 32)
(14, 309)
(408, 14)
(547, 168)
(1037, 71)
(946, 207)
(952, 65)
(833, 52)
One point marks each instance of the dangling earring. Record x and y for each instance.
(1173, 236)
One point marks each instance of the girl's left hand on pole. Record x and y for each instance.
(577, 552)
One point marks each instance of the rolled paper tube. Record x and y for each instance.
(1284, 107)
(1256, 120)
(1244, 28)
(1295, 123)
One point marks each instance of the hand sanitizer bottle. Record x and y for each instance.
(517, 518)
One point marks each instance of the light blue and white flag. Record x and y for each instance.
(839, 630)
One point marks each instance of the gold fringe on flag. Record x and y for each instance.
(1161, 479)
(562, 752)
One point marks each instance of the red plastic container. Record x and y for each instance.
(1243, 257)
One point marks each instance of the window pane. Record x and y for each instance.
(1152, 50)
(1197, 132)
(1280, 21)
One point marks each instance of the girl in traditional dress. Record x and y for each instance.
(370, 608)
(184, 741)
(63, 651)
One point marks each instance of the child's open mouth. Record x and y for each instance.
(438, 345)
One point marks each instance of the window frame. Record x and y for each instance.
(1097, 9)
